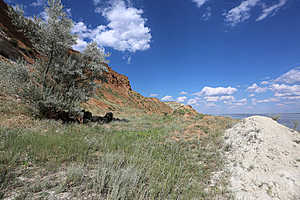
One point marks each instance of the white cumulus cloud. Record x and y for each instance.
(81, 44)
(81, 29)
(209, 91)
(125, 31)
(255, 88)
(282, 90)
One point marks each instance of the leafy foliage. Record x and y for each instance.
(60, 79)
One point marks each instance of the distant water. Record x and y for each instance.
(287, 119)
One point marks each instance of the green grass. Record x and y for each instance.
(137, 160)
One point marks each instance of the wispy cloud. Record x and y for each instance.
(96, 2)
(271, 10)
(267, 100)
(192, 101)
(153, 95)
(167, 98)
(212, 98)
(207, 14)
(227, 98)
(183, 93)
(291, 77)
(240, 13)
(265, 82)
(38, 3)
(234, 102)
(200, 2)
(181, 99)
(211, 104)
(240, 102)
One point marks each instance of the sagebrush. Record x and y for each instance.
(60, 79)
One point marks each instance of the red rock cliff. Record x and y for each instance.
(114, 95)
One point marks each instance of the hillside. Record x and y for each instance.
(161, 151)
(115, 95)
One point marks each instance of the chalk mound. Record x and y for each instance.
(263, 158)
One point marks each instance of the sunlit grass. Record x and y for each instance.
(135, 160)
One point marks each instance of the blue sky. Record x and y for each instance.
(239, 56)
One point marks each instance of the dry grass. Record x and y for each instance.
(151, 157)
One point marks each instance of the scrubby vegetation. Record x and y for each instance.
(59, 80)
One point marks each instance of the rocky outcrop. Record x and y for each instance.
(181, 109)
(13, 44)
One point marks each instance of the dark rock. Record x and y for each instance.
(7, 50)
(87, 116)
(97, 119)
(108, 117)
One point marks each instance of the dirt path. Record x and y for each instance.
(264, 160)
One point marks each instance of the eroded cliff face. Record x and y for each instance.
(115, 94)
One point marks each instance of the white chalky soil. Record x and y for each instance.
(263, 158)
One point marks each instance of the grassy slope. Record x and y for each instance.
(154, 156)
(151, 157)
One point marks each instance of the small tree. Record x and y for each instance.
(59, 80)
